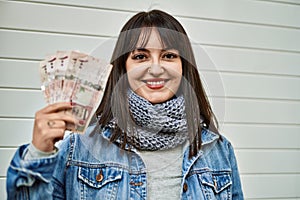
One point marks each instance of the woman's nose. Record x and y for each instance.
(156, 69)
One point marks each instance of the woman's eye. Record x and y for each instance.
(139, 57)
(170, 56)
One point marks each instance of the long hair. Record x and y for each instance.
(172, 35)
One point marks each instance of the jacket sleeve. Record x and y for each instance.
(30, 179)
(33, 179)
(237, 192)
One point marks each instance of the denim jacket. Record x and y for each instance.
(91, 167)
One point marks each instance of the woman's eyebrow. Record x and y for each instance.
(147, 50)
(141, 49)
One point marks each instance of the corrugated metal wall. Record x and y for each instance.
(255, 48)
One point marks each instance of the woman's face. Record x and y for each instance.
(154, 72)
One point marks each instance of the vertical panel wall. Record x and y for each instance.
(248, 54)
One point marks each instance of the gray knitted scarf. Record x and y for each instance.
(157, 126)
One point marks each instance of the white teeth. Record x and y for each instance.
(155, 83)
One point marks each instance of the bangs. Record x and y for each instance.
(143, 37)
(169, 39)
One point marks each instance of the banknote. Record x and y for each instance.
(71, 76)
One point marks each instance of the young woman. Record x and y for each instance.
(155, 136)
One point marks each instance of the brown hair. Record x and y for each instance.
(172, 35)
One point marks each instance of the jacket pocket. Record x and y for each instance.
(216, 181)
(99, 177)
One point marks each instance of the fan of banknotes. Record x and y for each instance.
(71, 76)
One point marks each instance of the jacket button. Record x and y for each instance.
(185, 187)
(136, 184)
(99, 177)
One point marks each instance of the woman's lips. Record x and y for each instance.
(155, 84)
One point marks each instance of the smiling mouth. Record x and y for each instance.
(155, 83)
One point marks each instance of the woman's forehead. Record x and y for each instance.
(154, 38)
(150, 39)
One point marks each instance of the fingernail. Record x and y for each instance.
(81, 122)
(72, 103)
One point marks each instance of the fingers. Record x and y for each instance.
(59, 124)
(58, 112)
(56, 107)
(50, 124)
(56, 124)
(61, 116)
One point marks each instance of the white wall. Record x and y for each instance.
(255, 46)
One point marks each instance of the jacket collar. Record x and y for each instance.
(208, 137)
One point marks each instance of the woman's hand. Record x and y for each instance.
(50, 124)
